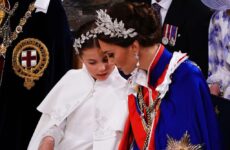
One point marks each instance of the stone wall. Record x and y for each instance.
(79, 11)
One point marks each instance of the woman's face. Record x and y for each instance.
(123, 58)
(97, 63)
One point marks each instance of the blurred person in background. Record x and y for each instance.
(219, 62)
(36, 51)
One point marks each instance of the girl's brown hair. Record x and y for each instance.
(89, 43)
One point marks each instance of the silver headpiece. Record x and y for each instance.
(81, 40)
(114, 28)
(106, 26)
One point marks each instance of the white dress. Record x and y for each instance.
(83, 114)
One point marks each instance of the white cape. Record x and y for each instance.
(68, 95)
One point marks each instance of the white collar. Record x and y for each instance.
(138, 77)
(141, 78)
(42, 5)
(165, 4)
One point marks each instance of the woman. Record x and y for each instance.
(38, 43)
(219, 48)
(87, 108)
(219, 62)
(169, 101)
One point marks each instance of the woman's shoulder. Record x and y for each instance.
(189, 70)
(218, 15)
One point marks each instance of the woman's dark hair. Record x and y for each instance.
(89, 43)
(139, 16)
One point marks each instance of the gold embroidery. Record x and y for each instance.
(26, 63)
(182, 144)
(4, 7)
(11, 37)
(5, 25)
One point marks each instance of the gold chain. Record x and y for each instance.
(153, 108)
(143, 107)
(18, 29)
(9, 12)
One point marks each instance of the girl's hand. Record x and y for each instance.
(47, 143)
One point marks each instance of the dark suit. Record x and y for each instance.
(222, 108)
(192, 19)
(18, 114)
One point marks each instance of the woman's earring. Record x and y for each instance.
(137, 58)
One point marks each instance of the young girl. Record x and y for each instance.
(87, 108)
(169, 100)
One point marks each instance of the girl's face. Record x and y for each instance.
(97, 63)
(123, 58)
